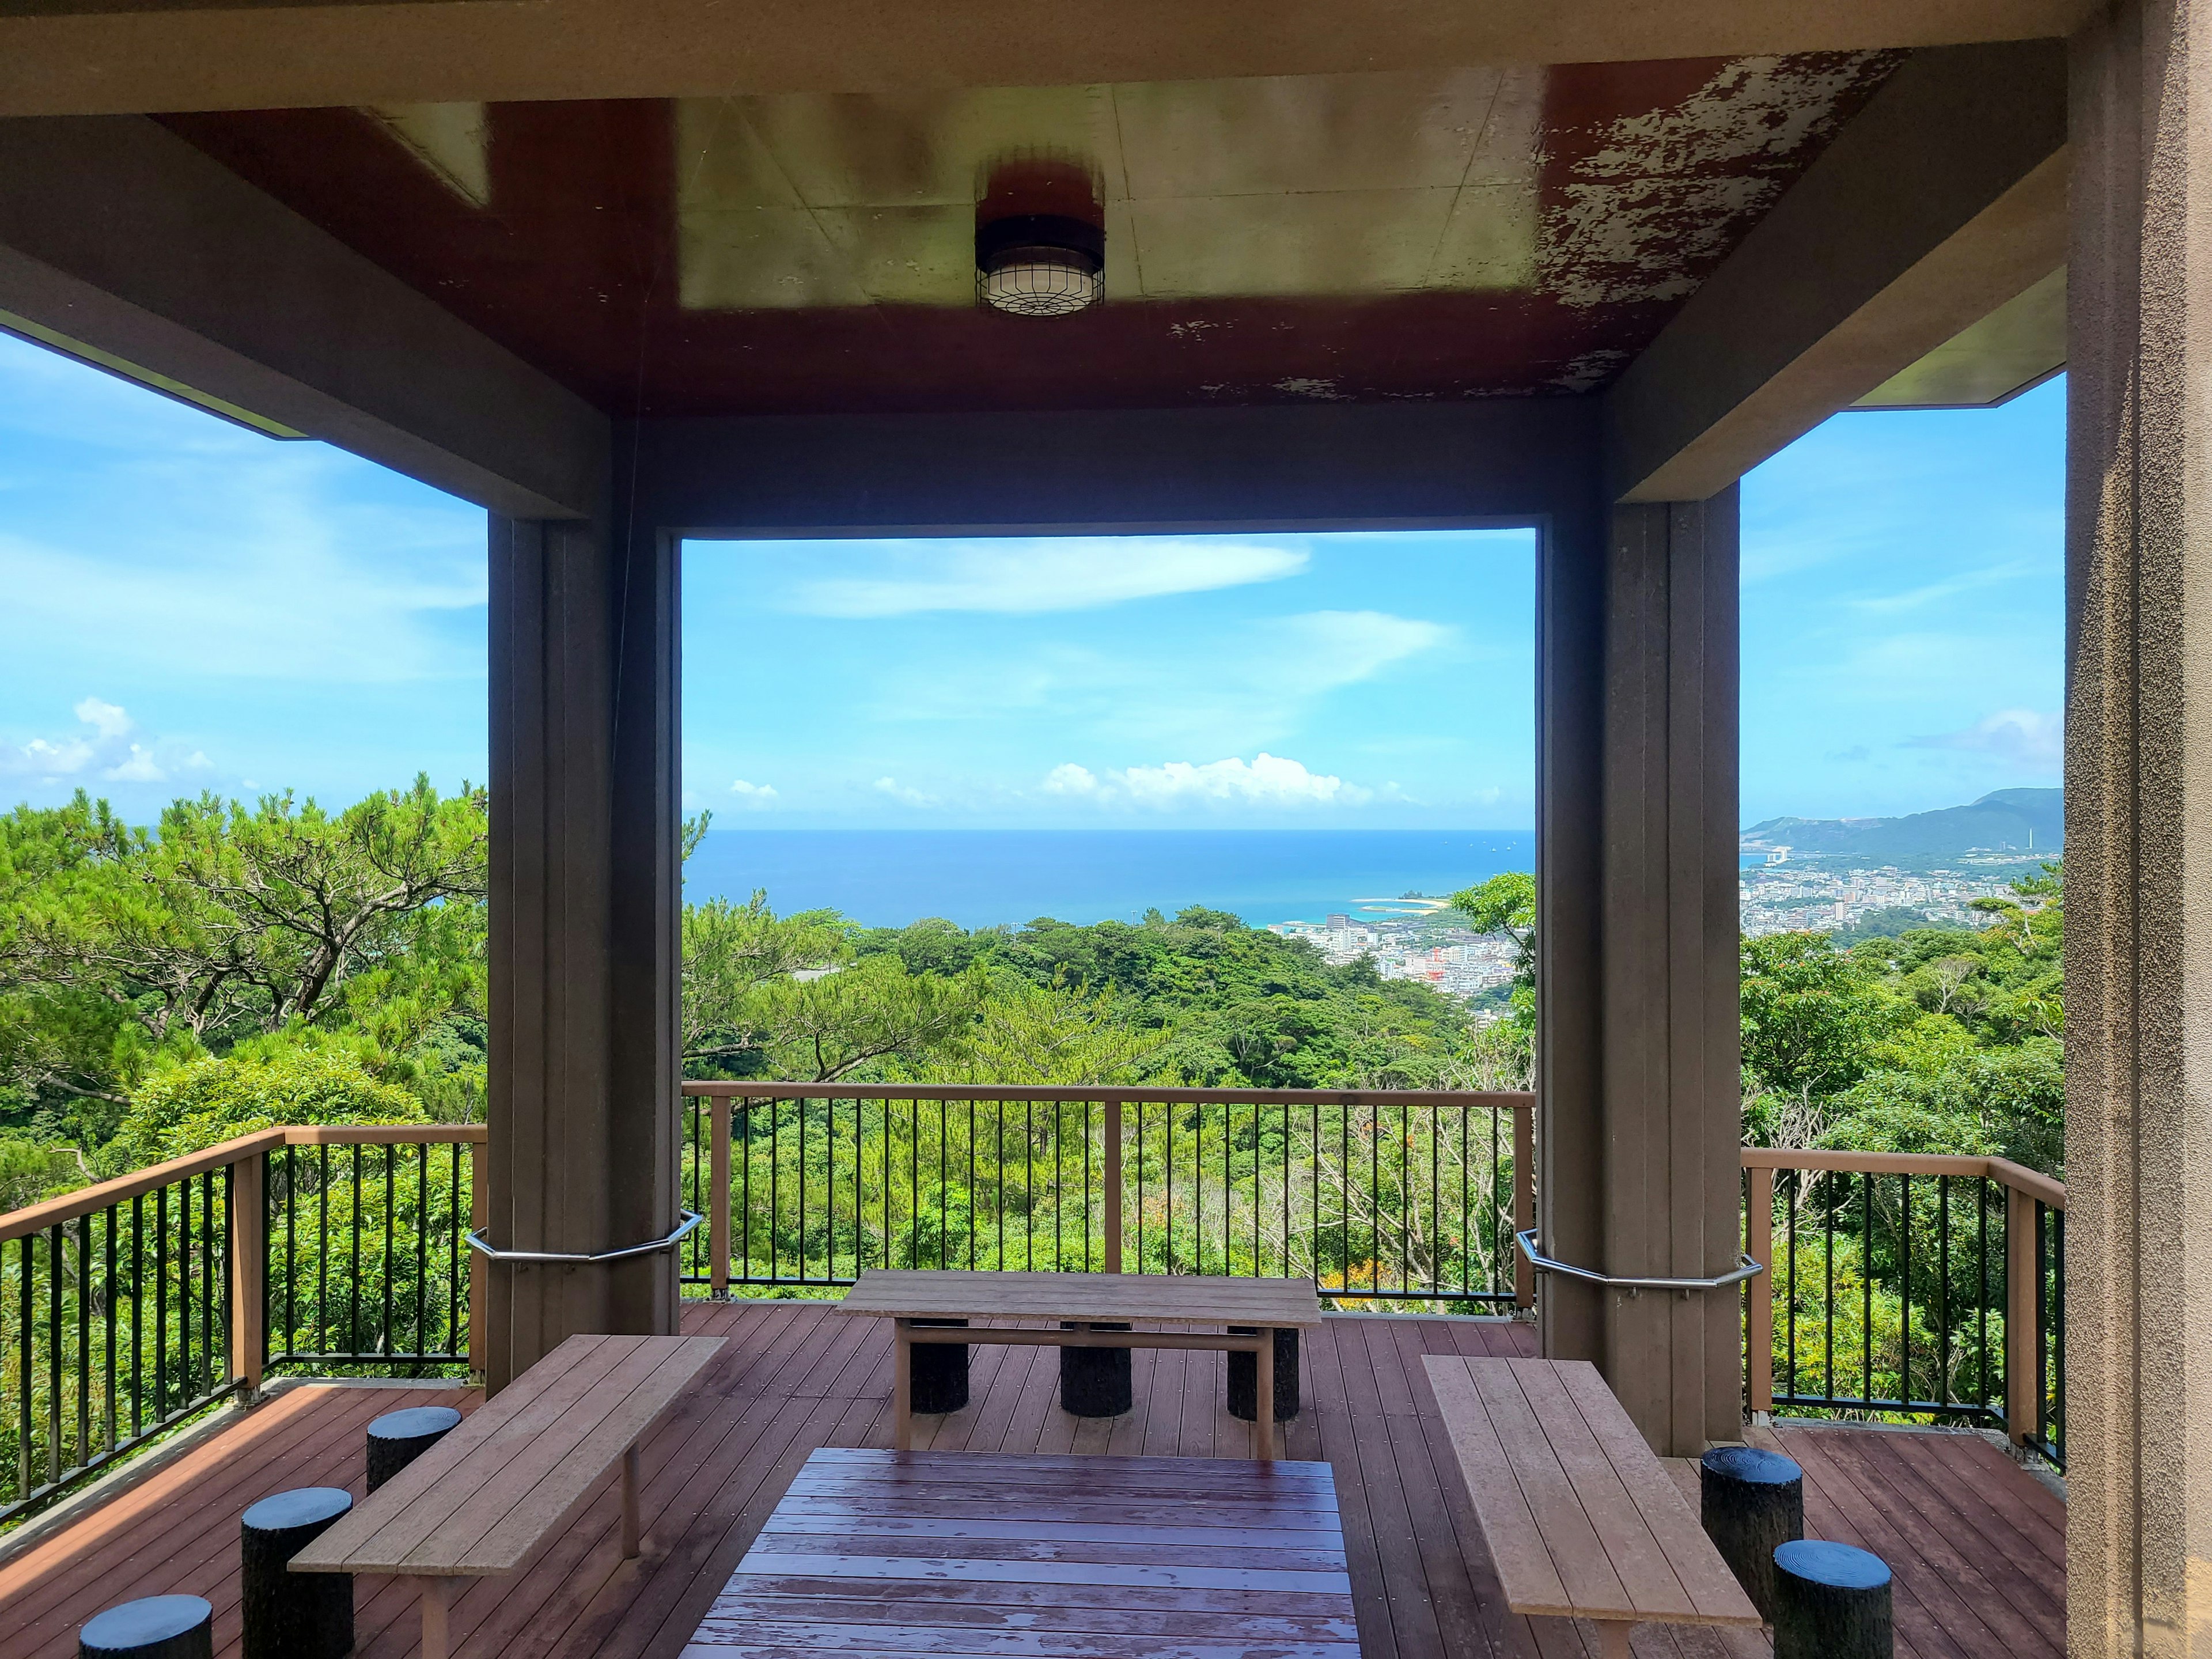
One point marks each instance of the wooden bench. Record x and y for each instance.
(1582, 1520)
(1267, 1304)
(480, 1503)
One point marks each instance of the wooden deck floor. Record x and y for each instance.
(1977, 1545)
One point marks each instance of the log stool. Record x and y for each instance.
(938, 1371)
(293, 1615)
(1751, 1501)
(1244, 1376)
(1095, 1382)
(158, 1627)
(397, 1438)
(1831, 1602)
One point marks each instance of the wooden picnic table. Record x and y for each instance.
(1265, 1305)
(1581, 1519)
(484, 1500)
(979, 1554)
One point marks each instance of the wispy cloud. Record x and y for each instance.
(2021, 736)
(1078, 573)
(1267, 781)
(1256, 683)
(904, 796)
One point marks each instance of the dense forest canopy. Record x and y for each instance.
(236, 966)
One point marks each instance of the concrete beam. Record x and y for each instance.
(1121, 472)
(117, 237)
(1944, 198)
(106, 57)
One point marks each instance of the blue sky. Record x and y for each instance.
(192, 606)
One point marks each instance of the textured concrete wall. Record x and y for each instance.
(2139, 836)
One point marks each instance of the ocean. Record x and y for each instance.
(983, 878)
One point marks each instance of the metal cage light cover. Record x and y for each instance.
(1039, 265)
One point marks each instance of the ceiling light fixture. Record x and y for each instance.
(1039, 265)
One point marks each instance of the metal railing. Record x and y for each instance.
(1910, 1287)
(1384, 1196)
(132, 1305)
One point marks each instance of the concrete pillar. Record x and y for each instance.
(1640, 1043)
(584, 953)
(2139, 834)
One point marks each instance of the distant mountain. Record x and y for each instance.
(2006, 820)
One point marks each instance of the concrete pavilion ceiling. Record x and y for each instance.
(1448, 234)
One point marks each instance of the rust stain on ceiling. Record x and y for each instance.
(1455, 233)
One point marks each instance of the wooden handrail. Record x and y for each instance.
(1502, 1100)
(2017, 1176)
(87, 1201)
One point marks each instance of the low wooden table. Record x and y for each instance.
(482, 1502)
(1582, 1520)
(905, 1296)
(987, 1552)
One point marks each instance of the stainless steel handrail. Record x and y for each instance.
(692, 1219)
(1545, 1264)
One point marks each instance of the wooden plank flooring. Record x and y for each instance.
(1977, 1543)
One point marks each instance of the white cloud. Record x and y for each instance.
(2022, 737)
(104, 751)
(105, 718)
(1075, 574)
(139, 768)
(1267, 781)
(753, 796)
(903, 795)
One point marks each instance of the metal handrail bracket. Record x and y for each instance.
(1545, 1264)
(692, 1219)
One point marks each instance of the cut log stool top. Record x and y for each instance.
(397, 1438)
(158, 1627)
(1832, 1602)
(291, 1615)
(1751, 1501)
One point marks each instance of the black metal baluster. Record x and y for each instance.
(2056, 1439)
(108, 1347)
(1829, 1299)
(180, 1368)
(1375, 1200)
(421, 1249)
(54, 1354)
(943, 1219)
(2042, 1328)
(291, 1250)
(137, 1315)
(1943, 1290)
(323, 1251)
(775, 1185)
(1904, 1294)
(1167, 1152)
(1981, 1301)
(353, 1306)
(25, 1365)
(801, 1264)
(84, 1338)
(1866, 1287)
